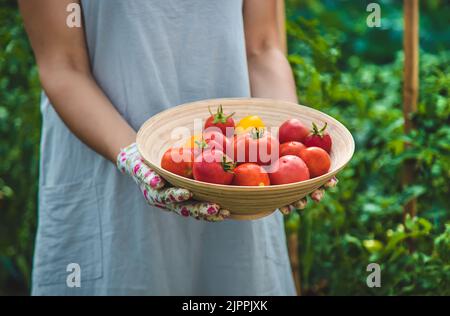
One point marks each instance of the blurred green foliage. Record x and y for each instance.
(343, 68)
(19, 152)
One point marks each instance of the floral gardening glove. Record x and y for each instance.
(316, 196)
(156, 193)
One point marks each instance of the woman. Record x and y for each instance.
(129, 61)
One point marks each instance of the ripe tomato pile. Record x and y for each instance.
(247, 154)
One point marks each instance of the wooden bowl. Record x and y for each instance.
(156, 136)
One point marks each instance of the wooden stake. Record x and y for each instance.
(411, 85)
(293, 256)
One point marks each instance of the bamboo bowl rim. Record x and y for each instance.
(243, 189)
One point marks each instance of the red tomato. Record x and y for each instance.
(289, 169)
(291, 148)
(317, 160)
(221, 121)
(179, 161)
(292, 130)
(214, 139)
(213, 166)
(319, 138)
(257, 146)
(250, 174)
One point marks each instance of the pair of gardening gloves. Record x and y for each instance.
(178, 200)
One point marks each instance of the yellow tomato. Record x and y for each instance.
(248, 123)
(191, 142)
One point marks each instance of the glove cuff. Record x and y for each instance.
(126, 158)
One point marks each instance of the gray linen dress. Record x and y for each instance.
(149, 55)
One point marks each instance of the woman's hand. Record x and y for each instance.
(316, 196)
(153, 188)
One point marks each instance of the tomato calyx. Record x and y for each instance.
(257, 132)
(201, 144)
(219, 117)
(319, 132)
(228, 166)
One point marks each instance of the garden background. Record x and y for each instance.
(343, 68)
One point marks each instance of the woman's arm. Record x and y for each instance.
(66, 77)
(270, 73)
